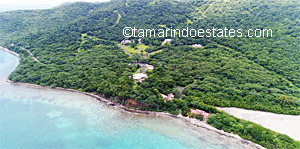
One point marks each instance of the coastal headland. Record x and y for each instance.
(122, 108)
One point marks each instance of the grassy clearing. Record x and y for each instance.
(156, 52)
(118, 19)
(139, 49)
(189, 21)
(143, 47)
(83, 40)
(138, 70)
(161, 25)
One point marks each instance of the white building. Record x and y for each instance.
(126, 42)
(140, 77)
(166, 41)
(197, 45)
(169, 97)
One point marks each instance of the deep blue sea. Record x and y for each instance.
(47, 118)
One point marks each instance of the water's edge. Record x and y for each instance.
(124, 109)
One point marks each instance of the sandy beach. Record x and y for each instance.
(285, 124)
(14, 53)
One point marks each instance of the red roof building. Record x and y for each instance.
(197, 111)
(150, 67)
(169, 97)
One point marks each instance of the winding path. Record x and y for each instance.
(125, 50)
(34, 58)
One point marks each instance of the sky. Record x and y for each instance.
(7, 5)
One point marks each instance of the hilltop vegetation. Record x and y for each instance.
(76, 45)
(20, 23)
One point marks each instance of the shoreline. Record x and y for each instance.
(122, 108)
(284, 124)
(11, 52)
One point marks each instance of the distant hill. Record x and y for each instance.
(277, 58)
(67, 3)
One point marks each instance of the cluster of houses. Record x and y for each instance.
(142, 76)
(164, 42)
(170, 40)
(139, 77)
(127, 42)
(197, 111)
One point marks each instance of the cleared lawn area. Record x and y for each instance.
(151, 53)
(139, 70)
(139, 49)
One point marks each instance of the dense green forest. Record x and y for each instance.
(76, 46)
(223, 77)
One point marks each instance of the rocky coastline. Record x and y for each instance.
(122, 108)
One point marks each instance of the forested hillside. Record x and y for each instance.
(76, 46)
(35, 22)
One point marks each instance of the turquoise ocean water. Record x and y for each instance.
(46, 118)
